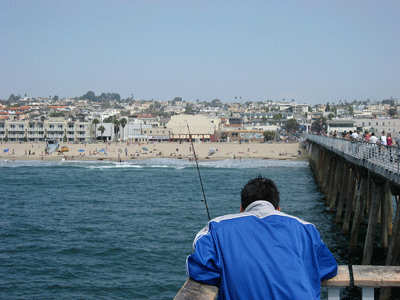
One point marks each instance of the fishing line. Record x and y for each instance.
(198, 170)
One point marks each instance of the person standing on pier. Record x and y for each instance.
(389, 140)
(383, 138)
(373, 138)
(261, 253)
(367, 136)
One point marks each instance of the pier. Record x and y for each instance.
(360, 181)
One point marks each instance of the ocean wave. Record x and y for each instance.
(158, 163)
(115, 166)
(252, 163)
(9, 163)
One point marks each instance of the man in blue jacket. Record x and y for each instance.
(261, 253)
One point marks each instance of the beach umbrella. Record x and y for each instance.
(145, 149)
(81, 150)
(6, 150)
(102, 150)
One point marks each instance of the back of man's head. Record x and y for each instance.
(260, 188)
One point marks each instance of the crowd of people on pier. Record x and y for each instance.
(383, 139)
(378, 147)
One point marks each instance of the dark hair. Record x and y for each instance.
(260, 188)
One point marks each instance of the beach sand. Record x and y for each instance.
(120, 151)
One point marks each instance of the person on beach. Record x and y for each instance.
(261, 252)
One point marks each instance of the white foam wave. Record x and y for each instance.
(253, 163)
(160, 163)
(115, 167)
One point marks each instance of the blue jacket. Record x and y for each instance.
(261, 254)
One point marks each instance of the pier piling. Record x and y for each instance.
(350, 200)
(343, 192)
(359, 213)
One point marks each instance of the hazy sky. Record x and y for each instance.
(313, 51)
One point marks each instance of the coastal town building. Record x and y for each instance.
(37, 131)
(239, 133)
(378, 125)
(341, 126)
(200, 128)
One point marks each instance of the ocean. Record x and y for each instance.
(107, 230)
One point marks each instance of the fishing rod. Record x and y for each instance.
(198, 170)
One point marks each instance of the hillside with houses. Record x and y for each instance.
(107, 117)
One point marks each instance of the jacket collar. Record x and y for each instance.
(259, 205)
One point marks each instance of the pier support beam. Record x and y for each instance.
(394, 246)
(350, 200)
(386, 217)
(331, 186)
(359, 213)
(336, 187)
(343, 192)
(325, 167)
(320, 166)
(327, 177)
(373, 221)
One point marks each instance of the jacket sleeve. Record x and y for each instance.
(326, 261)
(202, 265)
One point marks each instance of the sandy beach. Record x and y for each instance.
(121, 151)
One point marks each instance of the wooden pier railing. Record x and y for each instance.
(366, 277)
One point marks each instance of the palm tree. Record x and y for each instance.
(101, 129)
(123, 123)
(278, 117)
(95, 122)
(116, 128)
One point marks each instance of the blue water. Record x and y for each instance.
(103, 230)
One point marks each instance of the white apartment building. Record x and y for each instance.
(37, 131)
(378, 125)
(388, 125)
